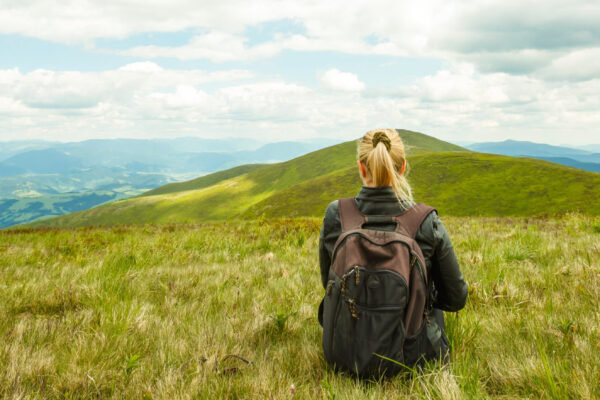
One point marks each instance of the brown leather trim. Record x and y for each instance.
(382, 238)
(410, 220)
(407, 222)
(350, 217)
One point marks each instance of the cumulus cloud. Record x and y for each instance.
(145, 100)
(510, 69)
(74, 89)
(143, 66)
(74, 21)
(335, 79)
(215, 46)
(496, 35)
(578, 65)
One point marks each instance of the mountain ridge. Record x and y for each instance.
(569, 156)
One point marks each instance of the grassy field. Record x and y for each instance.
(228, 310)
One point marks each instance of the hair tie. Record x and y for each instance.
(383, 138)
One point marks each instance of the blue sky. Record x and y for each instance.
(461, 71)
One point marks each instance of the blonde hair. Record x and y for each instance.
(382, 152)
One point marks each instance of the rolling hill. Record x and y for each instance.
(458, 184)
(456, 181)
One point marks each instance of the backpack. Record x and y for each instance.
(377, 298)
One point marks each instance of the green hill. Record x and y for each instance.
(459, 184)
(204, 181)
(456, 181)
(308, 166)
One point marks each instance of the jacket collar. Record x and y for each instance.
(382, 194)
(377, 194)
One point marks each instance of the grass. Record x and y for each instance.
(228, 310)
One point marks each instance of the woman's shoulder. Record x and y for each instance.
(332, 212)
(427, 230)
(331, 222)
(432, 231)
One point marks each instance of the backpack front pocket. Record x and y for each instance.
(377, 332)
(369, 322)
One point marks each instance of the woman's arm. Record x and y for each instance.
(330, 231)
(449, 281)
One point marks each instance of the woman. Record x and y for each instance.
(386, 192)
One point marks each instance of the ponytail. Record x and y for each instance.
(381, 166)
(382, 152)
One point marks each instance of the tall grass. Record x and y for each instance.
(228, 310)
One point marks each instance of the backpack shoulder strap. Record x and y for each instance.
(410, 221)
(350, 217)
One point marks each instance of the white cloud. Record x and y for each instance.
(74, 21)
(215, 46)
(577, 66)
(335, 79)
(527, 70)
(146, 100)
(143, 66)
(184, 96)
(497, 35)
(74, 89)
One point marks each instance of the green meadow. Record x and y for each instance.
(228, 310)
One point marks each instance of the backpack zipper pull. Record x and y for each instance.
(357, 273)
(351, 306)
(329, 287)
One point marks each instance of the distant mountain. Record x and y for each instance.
(272, 152)
(561, 155)
(47, 161)
(168, 156)
(594, 148)
(521, 148)
(199, 145)
(594, 167)
(9, 149)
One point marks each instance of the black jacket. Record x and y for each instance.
(450, 287)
